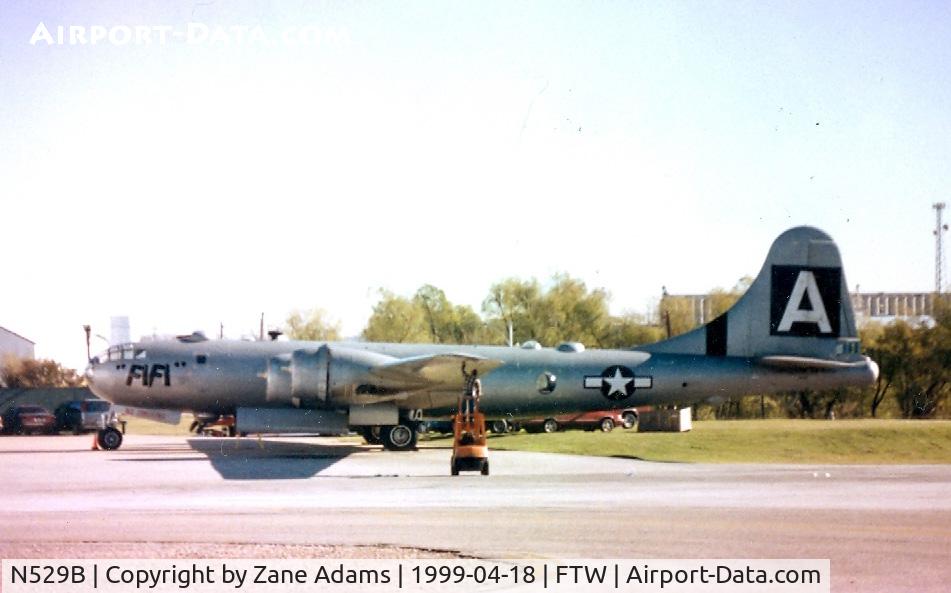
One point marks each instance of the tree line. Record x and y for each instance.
(514, 309)
(26, 373)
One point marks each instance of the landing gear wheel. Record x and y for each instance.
(109, 439)
(485, 467)
(401, 437)
(550, 425)
(371, 434)
(607, 425)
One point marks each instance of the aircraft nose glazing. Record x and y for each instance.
(90, 374)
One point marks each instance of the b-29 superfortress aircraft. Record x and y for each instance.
(794, 329)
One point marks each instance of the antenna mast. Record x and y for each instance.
(939, 230)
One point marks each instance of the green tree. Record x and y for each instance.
(926, 380)
(914, 364)
(567, 311)
(887, 346)
(630, 330)
(397, 319)
(514, 303)
(448, 323)
(311, 325)
(677, 315)
(21, 373)
(721, 299)
(468, 327)
(570, 312)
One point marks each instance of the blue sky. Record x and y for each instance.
(633, 145)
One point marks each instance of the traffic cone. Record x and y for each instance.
(95, 441)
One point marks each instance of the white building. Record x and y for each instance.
(13, 344)
(887, 306)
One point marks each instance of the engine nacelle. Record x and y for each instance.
(279, 378)
(326, 376)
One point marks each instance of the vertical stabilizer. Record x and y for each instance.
(797, 306)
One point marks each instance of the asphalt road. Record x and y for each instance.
(885, 528)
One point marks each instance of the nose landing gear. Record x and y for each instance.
(109, 438)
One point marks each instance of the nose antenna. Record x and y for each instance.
(88, 331)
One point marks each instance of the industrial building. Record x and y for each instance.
(886, 306)
(13, 344)
(868, 306)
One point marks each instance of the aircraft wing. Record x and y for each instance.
(442, 370)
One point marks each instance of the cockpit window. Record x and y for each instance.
(121, 352)
(140, 353)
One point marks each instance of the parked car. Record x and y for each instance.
(496, 426)
(79, 416)
(28, 419)
(604, 420)
(435, 426)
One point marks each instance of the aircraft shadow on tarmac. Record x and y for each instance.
(247, 459)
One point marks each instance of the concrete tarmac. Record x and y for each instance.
(885, 528)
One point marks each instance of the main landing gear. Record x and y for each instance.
(397, 437)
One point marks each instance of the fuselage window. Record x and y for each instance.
(201, 358)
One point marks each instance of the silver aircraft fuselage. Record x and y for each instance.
(220, 376)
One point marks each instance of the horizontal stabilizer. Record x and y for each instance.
(444, 370)
(802, 363)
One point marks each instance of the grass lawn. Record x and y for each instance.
(757, 441)
(719, 441)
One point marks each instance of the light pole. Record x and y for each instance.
(939, 230)
(88, 331)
